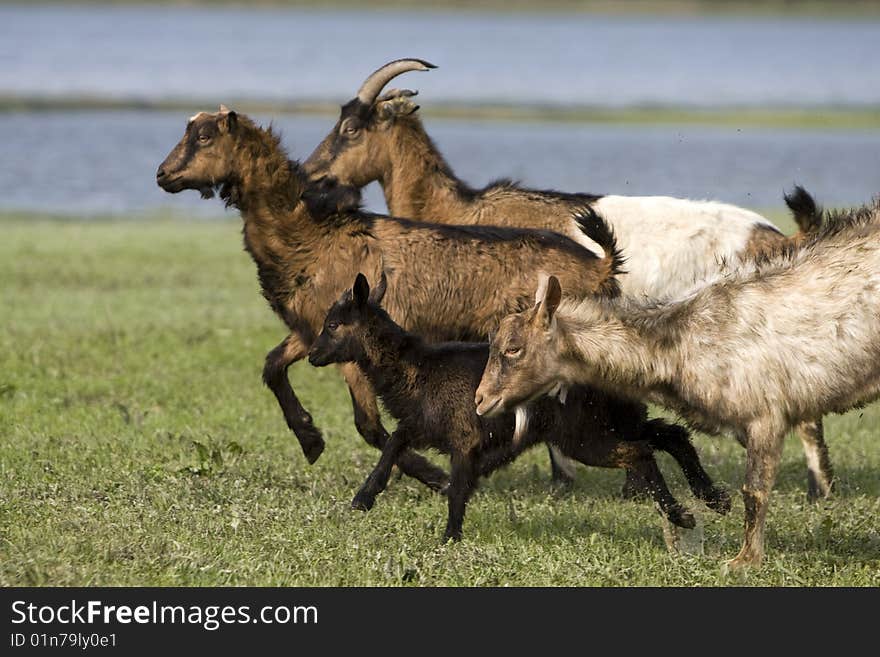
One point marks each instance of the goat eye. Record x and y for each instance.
(332, 326)
(512, 351)
(204, 139)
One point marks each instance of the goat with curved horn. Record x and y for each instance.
(373, 85)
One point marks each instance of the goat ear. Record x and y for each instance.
(228, 119)
(553, 295)
(378, 292)
(232, 121)
(361, 291)
(549, 301)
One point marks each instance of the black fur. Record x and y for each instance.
(806, 213)
(430, 389)
(597, 229)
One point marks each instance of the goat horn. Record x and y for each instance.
(378, 79)
(224, 109)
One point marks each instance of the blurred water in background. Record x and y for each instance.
(555, 58)
(104, 162)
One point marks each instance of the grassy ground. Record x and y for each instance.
(780, 118)
(138, 447)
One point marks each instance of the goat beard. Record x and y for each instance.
(521, 423)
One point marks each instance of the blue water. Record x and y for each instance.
(224, 53)
(105, 162)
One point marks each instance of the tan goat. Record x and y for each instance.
(754, 353)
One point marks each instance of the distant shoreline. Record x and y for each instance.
(820, 117)
(816, 8)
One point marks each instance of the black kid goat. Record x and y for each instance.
(429, 389)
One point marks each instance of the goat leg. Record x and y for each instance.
(461, 485)
(763, 453)
(490, 460)
(561, 467)
(675, 441)
(677, 514)
(820, 475)
(299, 420)
(369, 425)
(378, 478)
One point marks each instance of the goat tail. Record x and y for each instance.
(595, 227)
(804, 210)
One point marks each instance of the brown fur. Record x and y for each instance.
(387, 142)
(449, 282)
(393, 148)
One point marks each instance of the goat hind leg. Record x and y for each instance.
(675, 441)
(820, 475)
(646, 467)
(299, 420)
(369, 425)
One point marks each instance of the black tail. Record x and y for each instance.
(806, 213)
(594, 226)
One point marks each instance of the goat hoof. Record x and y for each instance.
(818, 489)
(681, 518)
(718, 500)
(362, 502)
(313, 452)
(739, 564)
(455, 537)
(311, 442)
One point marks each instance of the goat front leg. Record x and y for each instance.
(562, 468)
(462, 480)
(763, 453)
(820, 475)
(378, 478)
(369, 424)
(492, 459)
(292, 349)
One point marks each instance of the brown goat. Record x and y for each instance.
(448, 282)
(671, 244)
(754, 353)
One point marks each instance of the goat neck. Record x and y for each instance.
(389, 361)
(628, 351)
(417, 181)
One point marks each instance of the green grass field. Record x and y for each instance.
(138, 447)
